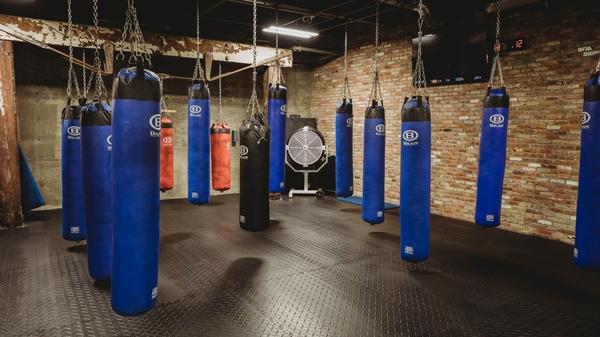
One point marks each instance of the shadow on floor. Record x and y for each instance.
(173, 238)
(80, 249)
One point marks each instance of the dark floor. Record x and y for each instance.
(319, 271)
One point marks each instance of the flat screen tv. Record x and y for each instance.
(455, 56)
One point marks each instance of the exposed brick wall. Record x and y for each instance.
(545, 84)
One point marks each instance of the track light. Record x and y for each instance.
(290, 32)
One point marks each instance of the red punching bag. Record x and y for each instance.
(220, 138)
(166, 153)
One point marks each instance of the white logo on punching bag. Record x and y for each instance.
(155, 125)
(410, 138)
(168, 140)
(73, 132)
(380, 129)
(195, 110)
(109, 142)
(155, 122)
(283, 109)
(244, 152)
(349, 122)
(585, 120)
(497, 121)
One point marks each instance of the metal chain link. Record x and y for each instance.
(253, 111)
(277, 31)
(345, 84)
(86, 83)
(71, 74)
(198, 72)
(132, 32)
(278, 75)
(419, 79)
(220, 111)
(101, 92)
(496, 66)
(376, 94)
(163, 103)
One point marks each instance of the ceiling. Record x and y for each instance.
(231, 19)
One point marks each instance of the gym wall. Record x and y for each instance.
(545, 83)
(41, 97)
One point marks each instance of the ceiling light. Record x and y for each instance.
(291, 32)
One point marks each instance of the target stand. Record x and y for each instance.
(306, 153)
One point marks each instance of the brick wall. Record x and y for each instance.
(545, 83)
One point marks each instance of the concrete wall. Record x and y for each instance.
(41, 98)
(545, 83)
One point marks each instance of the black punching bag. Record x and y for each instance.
(255, 139)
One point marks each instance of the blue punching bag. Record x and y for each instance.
(277, 108)
(492, 157)
(374, 164)
(136, 194)
(96, 146)
(587, 228)
(415, 179)
(344, 174)
(73, 211)
(199, 143)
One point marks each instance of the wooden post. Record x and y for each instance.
(11, 214)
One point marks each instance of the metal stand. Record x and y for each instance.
(305, 191)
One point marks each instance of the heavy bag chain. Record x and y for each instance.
(376, 89)
(87, 83)
(278, 75)
(345, 84)
(71, 75)
(220, 119)
(101, 92)
(419, 79)
(496, 63)
(163, 103)
(198, 72)
(253, 111)
(132, 32)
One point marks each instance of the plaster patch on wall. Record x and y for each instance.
(587, 51)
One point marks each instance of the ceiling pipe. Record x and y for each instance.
(211, 8)
(393, 9)
(348, 14)
(299, 10)
(322, 10)
(510, 4)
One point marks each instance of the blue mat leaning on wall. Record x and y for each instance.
(31, 197)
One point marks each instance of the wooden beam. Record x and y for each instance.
(282, 55)
(11, 214)
(53, 33)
